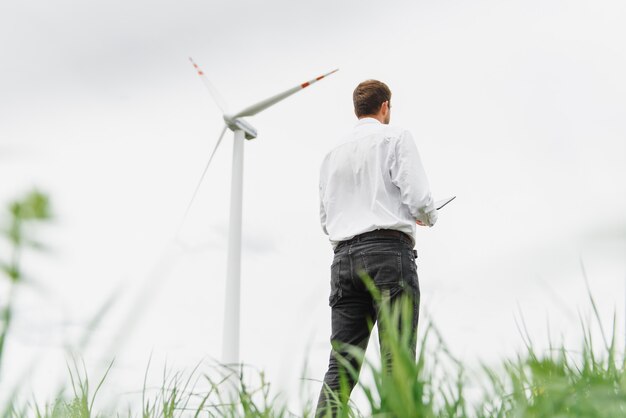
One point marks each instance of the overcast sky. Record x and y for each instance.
(517, 108)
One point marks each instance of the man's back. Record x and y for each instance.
(373, 180)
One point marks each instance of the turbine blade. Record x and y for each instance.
(195, 192)
(262, 105)
(212, 90)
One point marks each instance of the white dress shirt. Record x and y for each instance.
(374, 179)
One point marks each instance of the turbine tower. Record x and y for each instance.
(241, 129)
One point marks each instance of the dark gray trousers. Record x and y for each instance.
(390, 263)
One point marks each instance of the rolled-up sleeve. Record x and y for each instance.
(322, 184)
(408, 174)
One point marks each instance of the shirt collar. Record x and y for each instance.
(366, 120)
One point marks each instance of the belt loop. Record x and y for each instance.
(415, 253)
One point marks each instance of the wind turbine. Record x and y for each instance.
(241, 129)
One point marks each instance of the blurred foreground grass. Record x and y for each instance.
(587, 382)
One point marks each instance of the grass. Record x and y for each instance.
(32, 208)
(558, 382)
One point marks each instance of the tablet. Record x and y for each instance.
(441, 203)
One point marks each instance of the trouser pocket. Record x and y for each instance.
(384, 269)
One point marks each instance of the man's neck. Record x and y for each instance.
(379, 118)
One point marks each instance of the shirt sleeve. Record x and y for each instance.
(407, 173)
(322, 184)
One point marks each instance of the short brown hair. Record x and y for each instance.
(369, 96)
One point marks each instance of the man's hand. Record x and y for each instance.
(430, 218)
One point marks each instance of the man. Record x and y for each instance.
(373, 193)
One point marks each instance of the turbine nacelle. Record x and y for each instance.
(240, 124)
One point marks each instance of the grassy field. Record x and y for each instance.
(586, 381)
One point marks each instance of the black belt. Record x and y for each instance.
(380, 233)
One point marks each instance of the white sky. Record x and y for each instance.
(517, 108)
